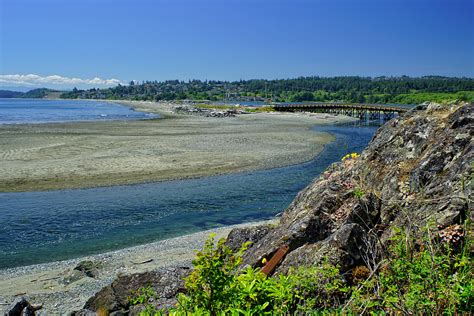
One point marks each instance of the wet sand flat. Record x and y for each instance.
(89, 154)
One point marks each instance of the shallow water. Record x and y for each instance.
(17, 111)
(41, 227)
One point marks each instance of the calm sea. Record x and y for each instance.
(17, 111)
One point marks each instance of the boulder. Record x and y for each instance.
(166, 282)
(89, 268)
(17, 306)
(21, 307)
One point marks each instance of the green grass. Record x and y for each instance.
(260, 109)
(215, 106)
(440, 97)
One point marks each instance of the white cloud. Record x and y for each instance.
(35, 80)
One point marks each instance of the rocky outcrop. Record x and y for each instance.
(238, 236)
(115, 298)
(413, 172)
(416, 170)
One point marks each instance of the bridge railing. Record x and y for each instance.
(355, 106)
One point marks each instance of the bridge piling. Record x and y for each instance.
(370, 111)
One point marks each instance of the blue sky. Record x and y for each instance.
(230, 40)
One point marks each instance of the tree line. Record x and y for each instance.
(402, 89)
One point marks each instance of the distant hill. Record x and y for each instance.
(11, 94)
(40, 93)
(404, 90)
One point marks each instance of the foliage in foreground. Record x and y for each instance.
(217, 286)
(418, 276)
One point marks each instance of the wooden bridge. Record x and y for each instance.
(360, 110)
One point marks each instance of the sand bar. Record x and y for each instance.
(89, 154)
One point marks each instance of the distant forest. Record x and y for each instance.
(404, 90)
(350, 89)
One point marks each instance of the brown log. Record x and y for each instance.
(275, 260)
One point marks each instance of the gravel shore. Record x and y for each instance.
(61, 289)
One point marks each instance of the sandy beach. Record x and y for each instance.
(62, 290)
(88, 154)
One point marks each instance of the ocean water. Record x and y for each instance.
(17, 111)
(39, 227)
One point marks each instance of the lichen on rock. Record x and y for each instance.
(413, 172)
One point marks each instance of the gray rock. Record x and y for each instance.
(84, 312)
(28, 311)
(21, 307)
(411, 173)
(344, 248)
(72, 276)
(89, 268)
(238, 236)
(119, 313)
(17, 306)
(166, 282)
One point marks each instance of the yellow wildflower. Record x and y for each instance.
(351, 155)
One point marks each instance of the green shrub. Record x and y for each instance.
(217, 286)
(212, 283)
(419, 276)
(145, 295)
(142, 295)
(358, 193)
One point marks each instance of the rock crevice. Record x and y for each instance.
(413, 172)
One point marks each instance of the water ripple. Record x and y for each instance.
(46, 226)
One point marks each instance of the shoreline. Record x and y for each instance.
(61, 289)
(42, 157)
(119, 103)
(243, 144)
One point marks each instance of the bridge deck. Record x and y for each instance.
(371, 111)
(342, 106)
